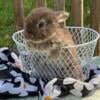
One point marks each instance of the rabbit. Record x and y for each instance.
(43, 32)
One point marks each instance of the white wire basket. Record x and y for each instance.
(37, 64)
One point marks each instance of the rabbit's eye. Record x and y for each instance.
(42, 24)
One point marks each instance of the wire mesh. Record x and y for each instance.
(39, 65)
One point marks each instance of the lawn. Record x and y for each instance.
(7, 22)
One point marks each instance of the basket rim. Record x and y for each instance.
(71, 46)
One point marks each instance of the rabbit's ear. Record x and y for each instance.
(61, 16)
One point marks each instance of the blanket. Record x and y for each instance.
(16, 83)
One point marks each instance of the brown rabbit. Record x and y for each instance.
(43, 32)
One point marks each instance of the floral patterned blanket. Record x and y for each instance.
(16, 83)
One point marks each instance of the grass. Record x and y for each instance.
(7, 22)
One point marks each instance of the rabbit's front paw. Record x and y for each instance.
(55, 52)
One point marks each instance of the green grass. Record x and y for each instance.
(7, 20)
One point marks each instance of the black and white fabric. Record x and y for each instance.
(16, 83)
